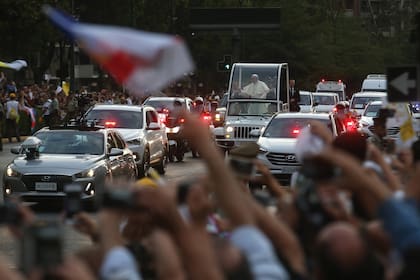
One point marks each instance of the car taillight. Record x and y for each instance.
(295, 131)
(162, 118)
(110, 124)
(182, 120)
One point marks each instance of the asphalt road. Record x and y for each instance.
(9, 247)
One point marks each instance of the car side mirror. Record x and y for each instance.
(15, 150)
(255, 133)
(115, 152)
(153, 126)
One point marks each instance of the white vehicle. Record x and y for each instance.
(359, 100)
(141, 129)
(392, 124)
(374, 82)
(278, 139)
(256, 92)
(324, 102)
(306, 102)
(334, 87)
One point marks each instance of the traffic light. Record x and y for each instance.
(225, 65)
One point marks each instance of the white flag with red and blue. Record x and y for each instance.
(138, 60)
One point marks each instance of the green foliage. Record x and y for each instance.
(316, 38)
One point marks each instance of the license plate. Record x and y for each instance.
(41, 186)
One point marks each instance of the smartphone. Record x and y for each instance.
(41, 246)
(73, 200)
(243, 167)
(317, 170)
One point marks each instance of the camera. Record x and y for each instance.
(243, 167)
(118, 198)
(73, 201)
(41, 246)
(9, 214)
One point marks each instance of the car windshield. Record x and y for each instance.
(71, 142)
(360, 102)
(118, 118)
(324, 99)
(252, 108)
(305, 99)
(160, 104)
(258, 82)
(372, 111)
(289, 128)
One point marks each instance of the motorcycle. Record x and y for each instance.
(177, 145)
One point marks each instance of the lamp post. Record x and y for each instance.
(71, 72)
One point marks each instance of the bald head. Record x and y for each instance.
(343, 243)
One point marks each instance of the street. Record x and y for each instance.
(9, 248)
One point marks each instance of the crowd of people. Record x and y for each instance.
(350, 214)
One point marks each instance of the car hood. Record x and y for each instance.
(56, 164)
(130, 134)
(278, 145)
(247, 120)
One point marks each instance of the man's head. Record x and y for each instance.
(292, 83)
(254, 78)
(379, 125)
(343, 253)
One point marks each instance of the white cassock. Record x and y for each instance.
(257, 90)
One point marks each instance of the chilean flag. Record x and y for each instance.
(138, 60)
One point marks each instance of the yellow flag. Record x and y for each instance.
(66, 87)
(407, 131)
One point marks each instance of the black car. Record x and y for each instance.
(53, 158)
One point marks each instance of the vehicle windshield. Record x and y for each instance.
(71, 142)
(290, 128)
(360, 102)
(372, 111)
(305, 99)
(247, 108)
(160, 104)
(324, 99)
(118, 118)
(258, 82)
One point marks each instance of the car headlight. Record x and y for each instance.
(229, 129)
(86, 173)
(261, 150)
(172, 129)
(10, 172)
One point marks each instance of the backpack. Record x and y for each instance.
(13, 115)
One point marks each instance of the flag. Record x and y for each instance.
(138, 60)
(16, 65)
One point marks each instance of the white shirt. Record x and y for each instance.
(46, 107)
(119, 264)
(11, 104)
(257, 90)
(260, 253)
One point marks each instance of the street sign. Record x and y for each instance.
(403, 84)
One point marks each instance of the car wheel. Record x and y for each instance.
(161, 167)
(171, 154)
(145, 163)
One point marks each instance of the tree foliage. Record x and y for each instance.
(316, 38)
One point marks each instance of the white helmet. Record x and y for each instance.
(199, 99)
(217, 98)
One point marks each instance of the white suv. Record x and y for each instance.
(141, 129)
(277, 141)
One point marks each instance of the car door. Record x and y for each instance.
(114, 162)
(127, 158)
(154, 137)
